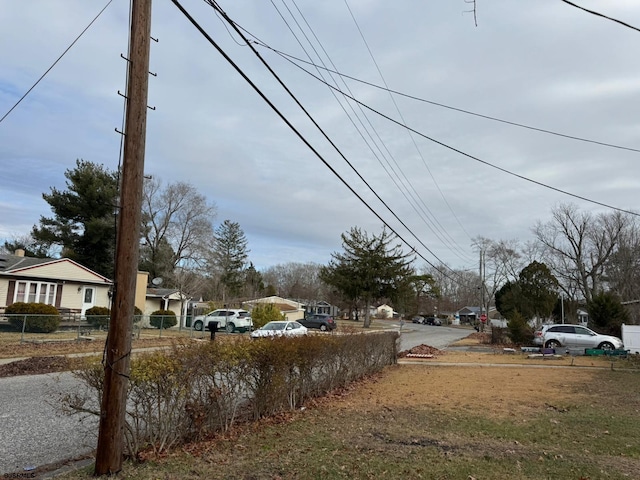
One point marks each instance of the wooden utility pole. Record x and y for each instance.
(118, 347)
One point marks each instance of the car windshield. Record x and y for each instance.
(274, 326)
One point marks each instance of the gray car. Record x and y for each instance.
(577, 337)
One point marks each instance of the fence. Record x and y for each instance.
(51, 328)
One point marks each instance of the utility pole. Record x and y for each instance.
(118, 347)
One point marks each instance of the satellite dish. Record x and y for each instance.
(157, 281)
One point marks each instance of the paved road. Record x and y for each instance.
(33, 430)
(413, 334)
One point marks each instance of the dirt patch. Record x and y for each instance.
(421, 351)
(38, 365)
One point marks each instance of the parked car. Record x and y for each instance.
(433, 321)
(418, 319)
(229, 319)
(284, 328)
(576, 337)
(319, 320)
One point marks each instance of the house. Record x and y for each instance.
(385, 311)
(291, 309)
(166, 299)
(468, 314)
(321, 307)
(63, 283)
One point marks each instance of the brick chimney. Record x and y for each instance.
(19, 252)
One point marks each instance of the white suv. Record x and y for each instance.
(576, 337)
(231, 319)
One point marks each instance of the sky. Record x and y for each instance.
(541, 63)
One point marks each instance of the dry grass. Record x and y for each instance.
(434, 422)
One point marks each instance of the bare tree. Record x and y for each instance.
(177, 227)
(297, 281)
(623, 267)
(578, 246)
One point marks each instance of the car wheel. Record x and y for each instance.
(605, 346)
(197, 326)
(323, 327)
(553, 344)
(230, 327)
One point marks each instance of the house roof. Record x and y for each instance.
(9, 263)
(17, 265)
(469, 311)
(161, 292)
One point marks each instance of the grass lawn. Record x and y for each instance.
(421, 421)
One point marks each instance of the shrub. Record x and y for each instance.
(195, 390)
(163, 319)
(98, 317)
(40, 317)
(519, 331)
(264, 313)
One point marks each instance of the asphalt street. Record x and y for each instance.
(413, 334)
(33, 429)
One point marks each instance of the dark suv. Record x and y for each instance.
(319, 320)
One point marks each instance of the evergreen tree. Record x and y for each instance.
(230, 256)
(84, 224)
(369, 269)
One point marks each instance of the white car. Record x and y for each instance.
(576, 337)
(284, 328)
(229, 319)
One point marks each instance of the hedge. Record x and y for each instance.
(163, 319)
(196, 390)
(39, 317)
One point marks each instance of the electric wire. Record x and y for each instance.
(413, 140)
(451, 243)
(468, 155)
(598, 14)
(295, 130)
(214, 5)
(449, 107)
(54, 63)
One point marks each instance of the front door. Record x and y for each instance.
(88, 299)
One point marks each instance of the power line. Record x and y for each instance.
(413, 202)
(404, 121)
(598, 14)
(468, 155)
(420, 207)
(54, 63)
(461, 110)
(289, 124)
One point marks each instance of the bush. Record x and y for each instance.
(519, 331)
(40, 317)
(264, 313)
(98, 317)
(196, 390)
(163, 319)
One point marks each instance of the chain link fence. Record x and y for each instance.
(51, 328)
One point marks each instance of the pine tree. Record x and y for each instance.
(83, 225)
(230, 256)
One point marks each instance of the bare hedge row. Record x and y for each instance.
(195, 390)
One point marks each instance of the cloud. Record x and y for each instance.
(533, 63)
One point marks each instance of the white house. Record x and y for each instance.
(63, 283)
(291, 309)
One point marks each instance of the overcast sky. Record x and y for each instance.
(537, 62)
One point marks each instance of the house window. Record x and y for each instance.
(31, 292)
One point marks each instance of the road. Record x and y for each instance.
(33, 429)
(413, 334)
